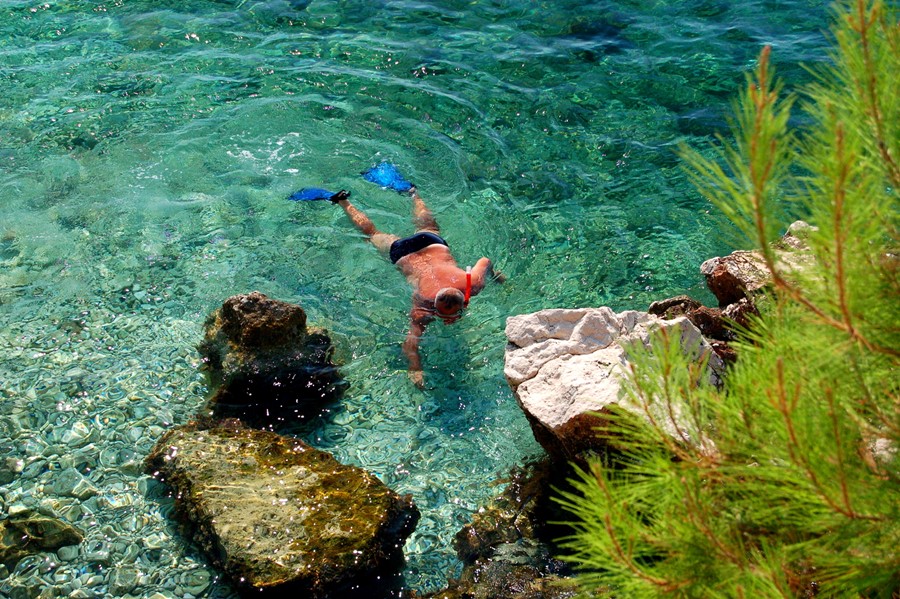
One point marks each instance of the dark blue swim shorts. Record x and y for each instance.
(414, 243)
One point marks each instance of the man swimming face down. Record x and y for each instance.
(441, 289)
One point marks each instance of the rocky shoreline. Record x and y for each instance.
(278, 516)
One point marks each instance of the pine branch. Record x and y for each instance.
(627, 561)
(841, 228)
(696, 516)
(861, 25)
(762, 99)
(794, 445)
(839, 451)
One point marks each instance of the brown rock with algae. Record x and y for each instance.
(265, 367)
(27, 533)
(278, 515)
(743, 275)
(507, 550)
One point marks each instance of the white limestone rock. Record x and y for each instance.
(563, 365)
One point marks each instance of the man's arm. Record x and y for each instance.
(411, 348)
(483, 270)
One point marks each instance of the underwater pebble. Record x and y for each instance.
(71, 512)
(134, 522)
(90, 580)
(34, 469)
(71, 483)
(134, 434)
(194, 582)
(123, 580)
(83, 459)
(17, 509)
(77, 435)
(125, 553)
(67, 553)
(96, 551)
(117, 501)
(64, 576)
(154, 541)
(10, 469)
(91, 505)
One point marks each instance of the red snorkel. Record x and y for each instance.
(468, 287)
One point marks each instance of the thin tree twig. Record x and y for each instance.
(840, 232)
(839, 448)
(781, 404)
(862, 27)
(626, 561)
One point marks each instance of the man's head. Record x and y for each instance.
(448, 303)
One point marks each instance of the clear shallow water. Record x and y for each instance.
(146, 151)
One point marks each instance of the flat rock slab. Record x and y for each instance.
(278, 515)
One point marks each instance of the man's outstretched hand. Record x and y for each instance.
(417, 377)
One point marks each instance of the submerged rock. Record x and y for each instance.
(510, 574)
(507, 549)
(28, 533)
(278, 515)
(265, 367)
(567, 369)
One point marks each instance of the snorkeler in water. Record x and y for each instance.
(441, 289)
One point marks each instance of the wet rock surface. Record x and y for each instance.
(28, 533)
(567, 370)
(507, 549)
(281, 517)
(265, 366)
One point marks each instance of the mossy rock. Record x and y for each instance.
(28, 533)
(278, 515)
(265, 366)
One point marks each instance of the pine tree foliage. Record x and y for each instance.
(789, 485)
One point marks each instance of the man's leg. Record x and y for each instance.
(422, 217)
(380, 240)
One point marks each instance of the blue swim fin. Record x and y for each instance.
(308, 194)
(387, 175)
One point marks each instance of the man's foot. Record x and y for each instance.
(341, 195)
(412, 190)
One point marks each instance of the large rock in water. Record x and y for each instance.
(265, 366)
(278, 515)
(567, 368)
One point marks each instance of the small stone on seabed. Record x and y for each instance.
(122, 580)
(67, 553)
(71, 483)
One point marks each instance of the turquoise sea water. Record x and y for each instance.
(147, 148)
